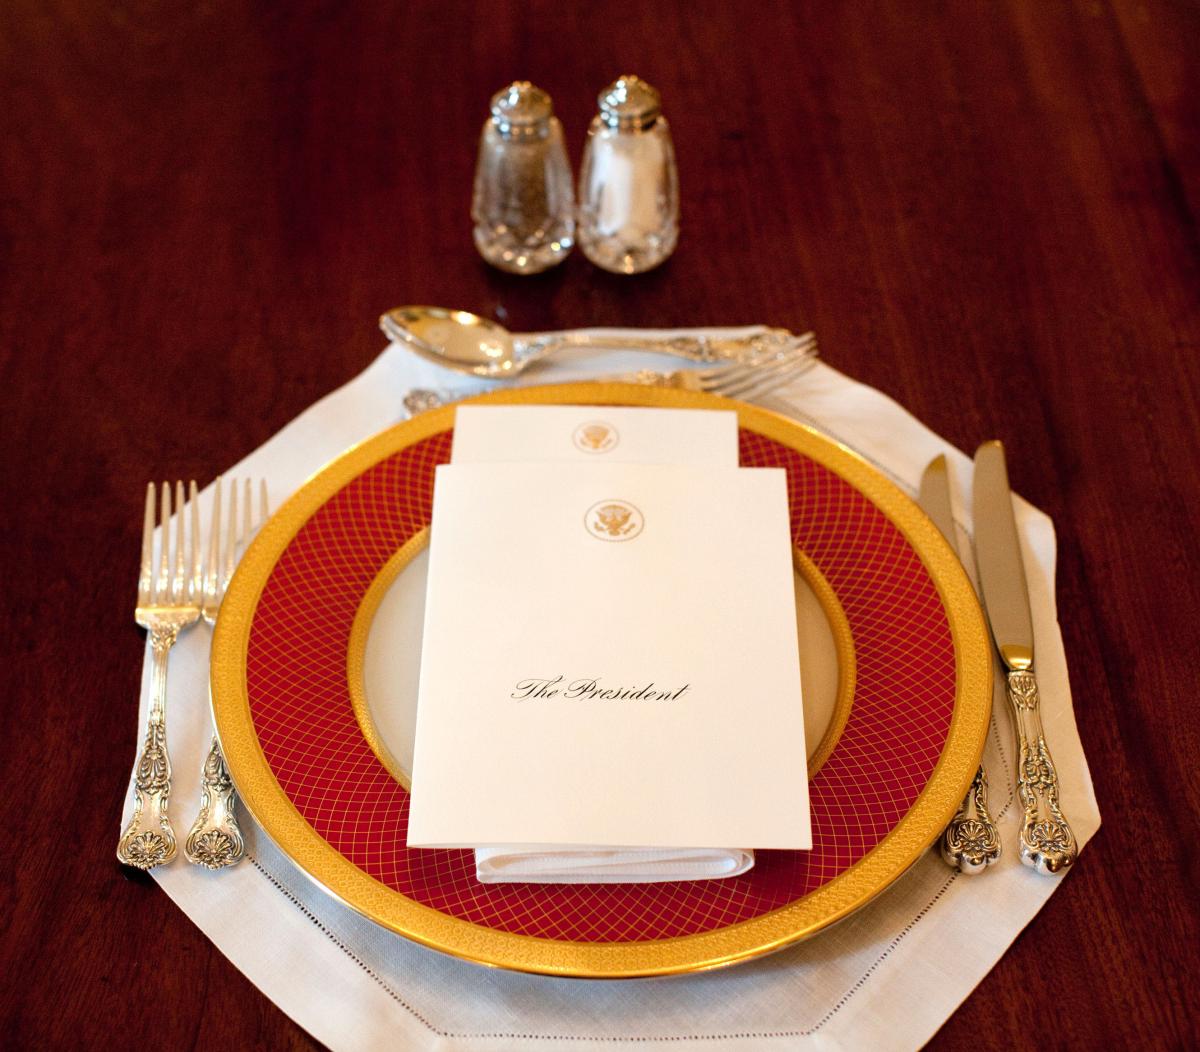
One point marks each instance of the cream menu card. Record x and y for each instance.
(609, 658)
(590, 434)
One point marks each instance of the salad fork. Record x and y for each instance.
(215, 840)
(168, 601)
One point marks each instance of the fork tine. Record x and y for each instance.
(715, 379)
(230, 539)
(719, 372)
(733, 378)
(212, 564)
(164, 562)
(734, 383)
(767, 378)
(265, 512)
(247, 512)
(146, 573)
(194, 545)
(177, 579)
(772, 377)
(776, 382)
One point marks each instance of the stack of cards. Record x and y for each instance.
(610, 684)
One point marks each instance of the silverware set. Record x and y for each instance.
(745, 367)
(175, 590)
(971, 841)
(467, 343)
(755, 376)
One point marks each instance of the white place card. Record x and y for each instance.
(609, 658)
(593, 434)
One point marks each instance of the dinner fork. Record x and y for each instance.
(733, 380)
(167, 602)
(215, 840)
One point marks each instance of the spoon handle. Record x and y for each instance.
(756, 347)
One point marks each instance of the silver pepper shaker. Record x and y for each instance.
(628, 185)
(523, 207)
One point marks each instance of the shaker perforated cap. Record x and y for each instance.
(521, 109)
(629, 102)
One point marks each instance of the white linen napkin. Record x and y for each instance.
(885, 978)
(629, 865)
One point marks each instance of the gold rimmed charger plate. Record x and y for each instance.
(303, 765)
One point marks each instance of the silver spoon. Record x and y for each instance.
(467, 343)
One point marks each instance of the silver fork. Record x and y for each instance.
(733, 380)
(215, 840)
(167, 602)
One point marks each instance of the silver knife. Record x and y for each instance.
(971, 841)
(1047, 843)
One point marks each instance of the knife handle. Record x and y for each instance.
(1047, 843)
(971, 841)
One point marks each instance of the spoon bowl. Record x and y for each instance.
(456, 339)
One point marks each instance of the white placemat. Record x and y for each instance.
(886, 978)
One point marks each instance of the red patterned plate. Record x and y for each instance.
(914, 679)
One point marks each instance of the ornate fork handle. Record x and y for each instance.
(148, 840)
(697, 348)
(971, 841)
(215, 841)
(1047, 843)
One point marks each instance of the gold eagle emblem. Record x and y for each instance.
(614, 520)
(596, 437)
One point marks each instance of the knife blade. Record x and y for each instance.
(934, 498)
(1001, 568)
(1047, 843)
(971, 842)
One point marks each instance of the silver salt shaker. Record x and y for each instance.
(628, 185)
(523, 207)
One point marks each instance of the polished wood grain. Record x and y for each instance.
(988, 211)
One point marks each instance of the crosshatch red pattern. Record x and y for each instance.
(302, 713)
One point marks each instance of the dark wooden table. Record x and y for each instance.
(987, 211)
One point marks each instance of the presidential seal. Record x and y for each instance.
(595, 437)
(614, 520)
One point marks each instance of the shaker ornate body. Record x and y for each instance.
(523, 208)
(628, 185)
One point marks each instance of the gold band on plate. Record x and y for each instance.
(841, 895)
(356, 650)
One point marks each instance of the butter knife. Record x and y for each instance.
(971, 841)
(1047, 843)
